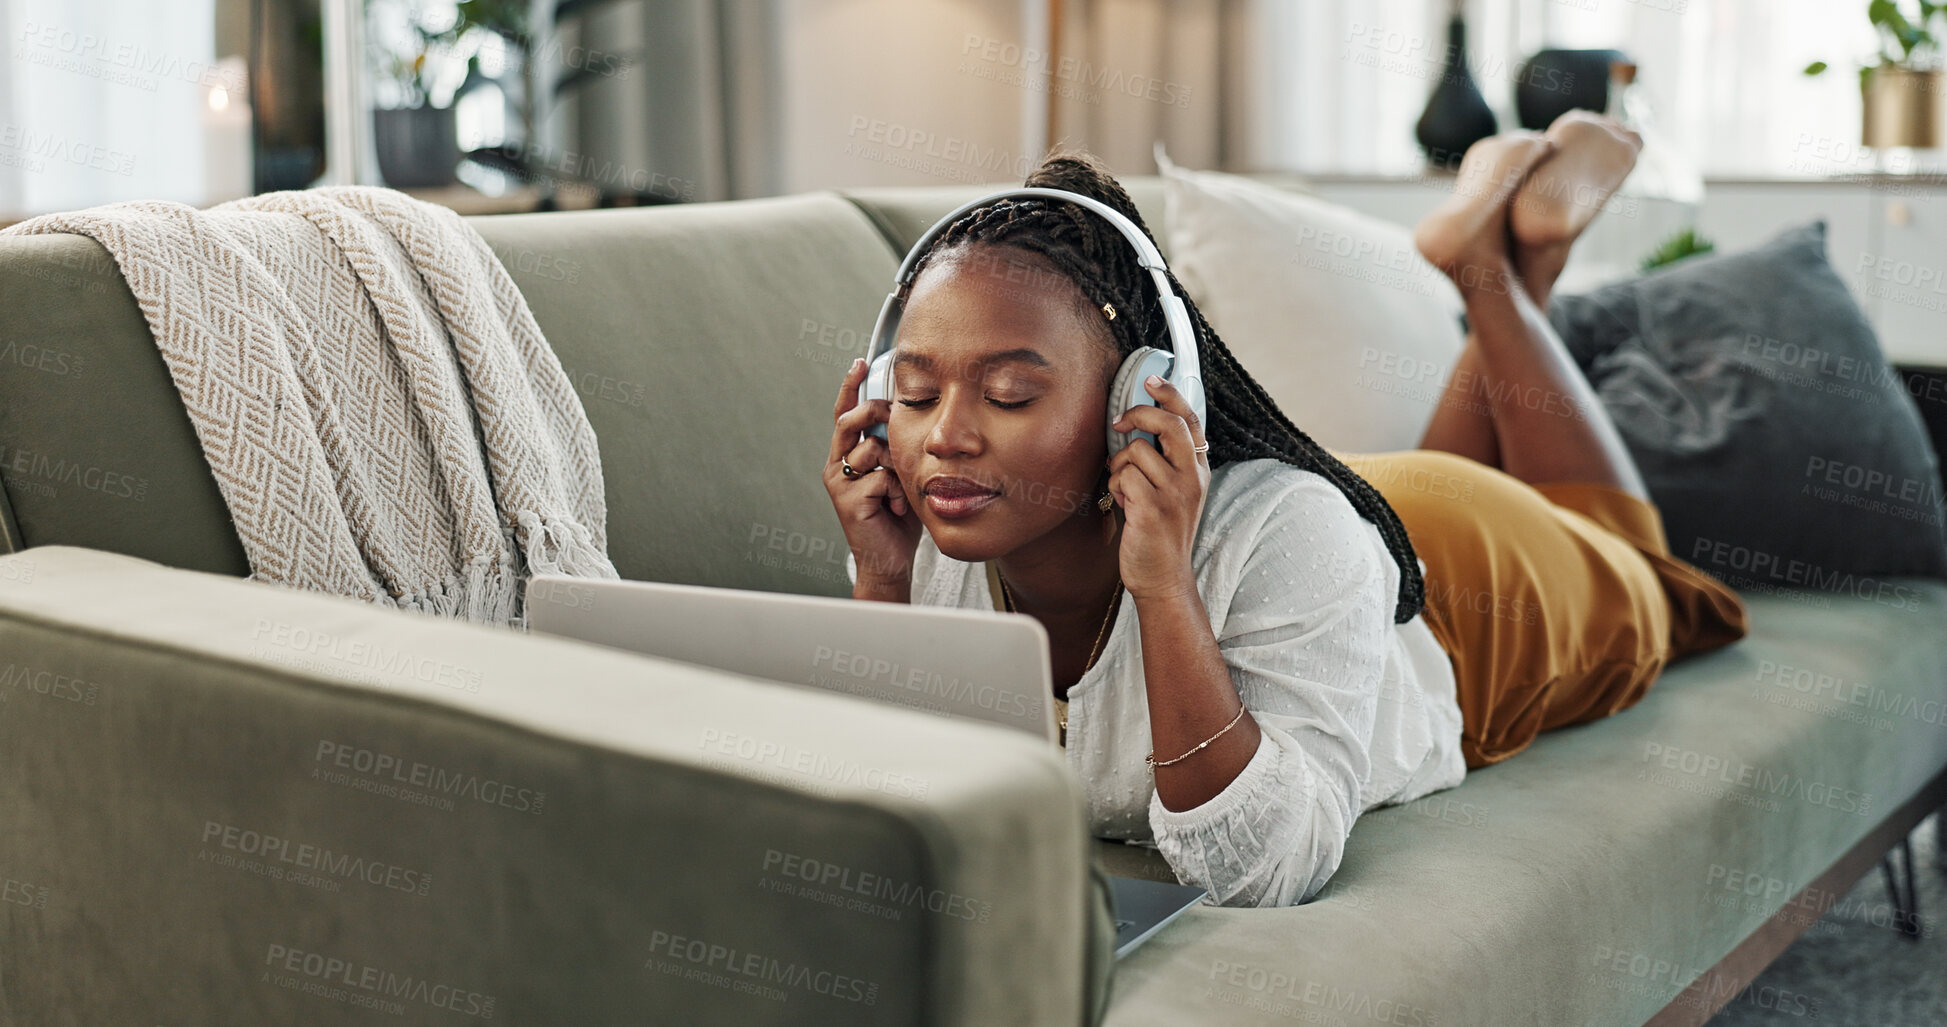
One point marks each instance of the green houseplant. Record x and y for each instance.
(509, 49)
(414, 138)
(1685, 243)
(429, 51)
(1900, 88)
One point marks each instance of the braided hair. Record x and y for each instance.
(1242, 422)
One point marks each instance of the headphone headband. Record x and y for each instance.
(1146, 253)
(1186, 371)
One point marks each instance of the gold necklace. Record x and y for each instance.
(1007, 597)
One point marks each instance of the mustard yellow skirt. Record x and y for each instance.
(1559, 603)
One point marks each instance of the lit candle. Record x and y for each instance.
(227, 172)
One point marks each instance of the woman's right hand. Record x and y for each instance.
(880, 527)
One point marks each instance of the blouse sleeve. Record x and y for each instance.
(922, 564)
(1305, 639)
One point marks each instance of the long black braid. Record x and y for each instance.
(1242, 421)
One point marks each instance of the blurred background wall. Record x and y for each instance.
(675, 100)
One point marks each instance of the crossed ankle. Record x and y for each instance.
(1489, 277)
(1492, 272)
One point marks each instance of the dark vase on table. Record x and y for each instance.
(1456, 115)
(417, 147)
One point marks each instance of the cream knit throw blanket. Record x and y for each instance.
(347, 355)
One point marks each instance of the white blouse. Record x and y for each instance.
(1355, 711)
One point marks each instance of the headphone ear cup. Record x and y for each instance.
(877, 385)
(1127, 391)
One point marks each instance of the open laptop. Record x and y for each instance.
(978, 665)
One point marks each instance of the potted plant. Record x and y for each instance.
(1900, 91)
(415, 140)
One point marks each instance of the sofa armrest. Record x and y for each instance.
(298, 808)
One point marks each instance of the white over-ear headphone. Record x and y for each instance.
(1180, 367)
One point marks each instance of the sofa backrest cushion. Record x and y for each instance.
(706, 342)
(96, 449)
(1335, 313)
(903, 213)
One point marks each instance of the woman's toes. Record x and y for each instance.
(1593, 155)
(1472, 222)
(1495, 166)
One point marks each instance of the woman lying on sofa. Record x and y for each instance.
(1320, 633)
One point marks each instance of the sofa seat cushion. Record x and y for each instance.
(1593, 877)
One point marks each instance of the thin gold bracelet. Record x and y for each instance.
(1154, 763)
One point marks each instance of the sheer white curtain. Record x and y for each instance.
(1342, 84)
(1726, 77)
(697, 114)
(1136, 72)
(1343, 81)
(104, 100)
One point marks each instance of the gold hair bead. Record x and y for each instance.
(1109, 309)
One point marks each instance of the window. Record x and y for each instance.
(1347, 80)
(106, 101)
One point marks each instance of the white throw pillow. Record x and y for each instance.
(1335, 313)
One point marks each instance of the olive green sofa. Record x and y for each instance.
(227, 803)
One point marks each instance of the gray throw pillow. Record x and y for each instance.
(1780, 448)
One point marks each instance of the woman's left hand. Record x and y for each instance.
(1161, 494)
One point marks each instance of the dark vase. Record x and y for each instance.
(417, 146)
(1554, 82)
(1456, 115)
(286, 94)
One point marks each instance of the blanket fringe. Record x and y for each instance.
(481, 592)
(554, 546)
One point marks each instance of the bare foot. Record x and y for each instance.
(1593, 154)
(1471, 226)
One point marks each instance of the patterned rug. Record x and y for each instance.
(1852, 967)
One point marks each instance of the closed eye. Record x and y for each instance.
(921, 404)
